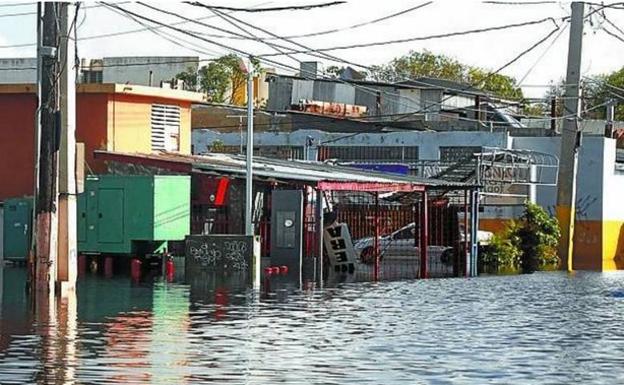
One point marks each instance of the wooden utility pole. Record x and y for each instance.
(46, 190)
(67, 215)
(570, 140)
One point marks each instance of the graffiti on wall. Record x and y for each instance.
(219, 252)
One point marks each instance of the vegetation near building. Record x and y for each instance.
(528, 244)
(222, 80)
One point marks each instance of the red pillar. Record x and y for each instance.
(377, 236)
(424, 234)
(465, 245)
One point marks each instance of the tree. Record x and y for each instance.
(222, 80)
(190, 78)
(427, 64)
(598, 89)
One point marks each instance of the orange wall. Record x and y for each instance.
(114, 122)
(130, 122)
(91, 123)
(17, 143)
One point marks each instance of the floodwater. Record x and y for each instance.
(545, 328)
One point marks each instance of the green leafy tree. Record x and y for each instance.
(537, 237)
(528, 244)
(597, 90)
(190, 79)
(427, 64)
(218, 77)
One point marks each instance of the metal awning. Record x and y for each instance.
(322, 176)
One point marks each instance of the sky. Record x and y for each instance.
(602, 53)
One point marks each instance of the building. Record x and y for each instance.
(116, 117)
(18, 70)
(420, 103)
(599, 229)
(138, 70)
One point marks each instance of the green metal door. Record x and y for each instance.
(17, 228)
(110, 225)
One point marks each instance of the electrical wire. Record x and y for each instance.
(349, 27)
(539, 59)
(273, 45)
(510, 62)
(519, 2)
(112, 34)
(428, 37)
(270, 9)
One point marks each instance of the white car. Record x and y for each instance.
(401, 243)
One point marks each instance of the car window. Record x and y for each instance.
(405, 234)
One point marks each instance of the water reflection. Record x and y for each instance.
(542, 328)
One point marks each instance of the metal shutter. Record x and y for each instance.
(165, 127)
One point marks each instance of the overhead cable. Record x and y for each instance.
(270, 9)
(349, 27)
(428, 37)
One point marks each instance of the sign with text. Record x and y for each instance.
(339, 247)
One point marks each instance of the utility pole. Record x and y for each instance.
(46, 191)
(570, 139)
(249, 226)
(67, 215)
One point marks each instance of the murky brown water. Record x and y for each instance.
(547, 328)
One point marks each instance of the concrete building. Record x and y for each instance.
(141, 70)
(18, 70)
(422, 100)
(138, 70)
(599, 234)
(116, 117)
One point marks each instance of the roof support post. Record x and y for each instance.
(424, 234)
(377, 238)
(465, 235)
(319, 234)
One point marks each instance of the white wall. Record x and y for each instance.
(428, 143)
(589, 178)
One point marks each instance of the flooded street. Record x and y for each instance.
(547, 328)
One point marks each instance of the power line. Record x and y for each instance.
(519, 2)
(273, 45)
(516, 58)
(349, 27)
(7, 5)
(429, 37)
(270, 9)
(552, 43)
(112, 34)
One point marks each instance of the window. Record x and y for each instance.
(457, 153)
(370, 153)
(165, 127)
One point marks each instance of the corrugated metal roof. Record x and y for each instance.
(285, 170)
